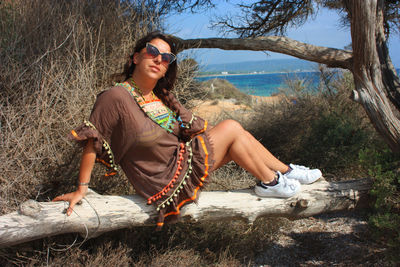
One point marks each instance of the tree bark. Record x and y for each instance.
(376, 82)
(98, 214)
(375, 79)
(332, 57)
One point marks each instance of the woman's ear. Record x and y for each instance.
(135, 58)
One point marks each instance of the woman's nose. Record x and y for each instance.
(158, 58)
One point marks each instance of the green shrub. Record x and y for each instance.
(223, 89)
(384, 167)
(333, 142)
(322, 129)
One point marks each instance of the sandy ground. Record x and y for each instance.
(211, 109)
(337, 239)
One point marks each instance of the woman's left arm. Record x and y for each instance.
(85, 170)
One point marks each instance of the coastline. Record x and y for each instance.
(251, 73)
(260, 83)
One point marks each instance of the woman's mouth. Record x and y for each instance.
(155, 68)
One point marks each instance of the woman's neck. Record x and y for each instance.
(145, 85)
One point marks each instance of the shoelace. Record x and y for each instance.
(286, 184)
(292, 186)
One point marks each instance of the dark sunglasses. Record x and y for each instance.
(154, 52)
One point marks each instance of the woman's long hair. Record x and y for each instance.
(166, 83)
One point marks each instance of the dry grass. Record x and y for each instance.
(227, 243)
(187, 257)
(230, 177)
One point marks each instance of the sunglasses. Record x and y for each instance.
(154, 52)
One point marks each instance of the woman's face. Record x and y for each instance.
(152, 66)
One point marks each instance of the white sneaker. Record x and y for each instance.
(303, 174)
(285, 188)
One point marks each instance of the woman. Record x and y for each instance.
(165, 151)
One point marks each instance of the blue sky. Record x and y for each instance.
(324, 30)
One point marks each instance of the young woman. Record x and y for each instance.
(165, 151)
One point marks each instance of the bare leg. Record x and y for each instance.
(270, 160)
(232, 142)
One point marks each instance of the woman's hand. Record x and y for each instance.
(87, 162)
(72, 198)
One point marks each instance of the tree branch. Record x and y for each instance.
(332, 57)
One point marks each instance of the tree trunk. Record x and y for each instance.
(98, 214)
(376, 81)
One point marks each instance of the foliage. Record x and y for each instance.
(318, 127)
(392, 16)
(164, 7)
(333, 141)
(384, 167)
(187, 87)
(260, 18)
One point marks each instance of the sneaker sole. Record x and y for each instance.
(303, 182)
(261, 193)
(312, 181)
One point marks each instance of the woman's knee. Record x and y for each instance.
(248, 134)
(231, 125)
(226, 132)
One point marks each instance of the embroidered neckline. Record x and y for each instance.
(139, 91)
(165, 118)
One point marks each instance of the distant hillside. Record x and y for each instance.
(273, 65)
(223, 89)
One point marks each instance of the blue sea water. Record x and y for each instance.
(264, 84)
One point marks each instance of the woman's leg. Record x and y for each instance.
(270, 160)
(232, 142)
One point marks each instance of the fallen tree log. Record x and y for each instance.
(98, 213)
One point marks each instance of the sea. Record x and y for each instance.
(265, 84)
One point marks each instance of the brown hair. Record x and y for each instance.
(166, 83)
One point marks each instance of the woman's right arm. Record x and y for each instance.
(85, 170)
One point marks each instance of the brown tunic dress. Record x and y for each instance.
(167, 171)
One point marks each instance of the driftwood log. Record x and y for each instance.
(99, 213)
